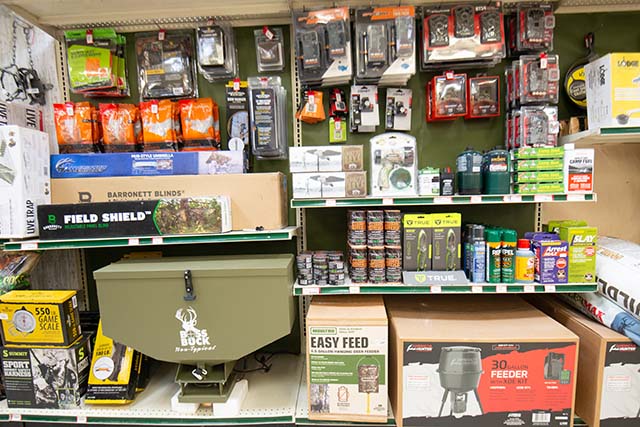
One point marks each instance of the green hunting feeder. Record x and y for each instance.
(192, 311)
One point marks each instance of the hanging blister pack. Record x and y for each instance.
(462, 36)
(269, 49)
(398, 109)
(166, 66)
(237, 99)
(539, 78)
(338, 112)
(539, 126)
(268, 114)
(447, 97)
(364, 108)
(323, 46)
(484, 97)
(217, 55)
(385, 43)
(535, 26)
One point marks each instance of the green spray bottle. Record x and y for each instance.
(493, 238)
(507, 262)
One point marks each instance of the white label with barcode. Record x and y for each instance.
(436, 289)
(541, 417)
(575, 198)
(387, 202)
(476, 289)
(513, 198)
(82, 419)
(156, 240)
(476, 199)
(549, 288)
(529, 288)
(313, 290)
(443, 200)
(354, 289)
(330, 202)
(501, 289)
(134, 241)
(15, 417)
(543, 198)
(29, 246)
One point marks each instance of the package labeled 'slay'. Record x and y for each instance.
(40, 317)
(114, 372)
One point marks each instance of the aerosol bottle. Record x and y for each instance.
(508, 253)
(494, 255)
(478, 258)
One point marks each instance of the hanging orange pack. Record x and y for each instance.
(74, 127)
(197, 120)
(312, 111)
(158, 132)
(120, 127)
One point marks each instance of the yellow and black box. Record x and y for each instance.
(47, 318)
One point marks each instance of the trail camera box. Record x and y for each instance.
(257, 199)
(346, 158)
(486, 362)
(51, 378)
(48, 318)
(347, 352)
(608, 381)
(246, 296)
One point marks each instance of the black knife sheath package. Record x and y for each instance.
(267, 108)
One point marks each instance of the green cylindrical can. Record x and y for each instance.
(493, 238)
(507, 264)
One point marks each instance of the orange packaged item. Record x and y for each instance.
(312, 111)
(197, 119)
(120, 127)
(158, 132)
(74, 127)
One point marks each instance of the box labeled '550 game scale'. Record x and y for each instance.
(47, 318)
(484, 362)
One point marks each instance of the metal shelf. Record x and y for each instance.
(442, 200)
(472, 288)
(230, 237)
(271, 400)
(589, 138)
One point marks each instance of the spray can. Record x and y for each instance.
(493, 238)
(469, 166)
(467, 249)
(479, 255)
(525, 262)
(508, 266)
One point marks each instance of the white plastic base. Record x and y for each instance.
(231, 407)
(183, 408)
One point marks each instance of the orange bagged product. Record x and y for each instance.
(121, 130)
(74, 127)
(197, 120)
(158, 131)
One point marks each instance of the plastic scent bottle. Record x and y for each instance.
(525, 262)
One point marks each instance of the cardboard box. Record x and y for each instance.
(429, 182)
(608, 381)
(23, 115)
(196, 215)
(539, 165)
(48, 378)
(445, 241)
(114, 372)
(257, 199)
(487, 361)
(612, 90)
(347, 359)
(579, 167)
(40, 317)
(416, 242)
(539, 188)
(539, 176)
(329, 185)
(582, 252)
(553, 226)
(539, 153)
(551, 261)
(345, 158)
(147, 164)
(24, 180)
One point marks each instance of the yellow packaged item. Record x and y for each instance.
(40, 318)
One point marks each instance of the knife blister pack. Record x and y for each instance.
(268, 115)
(217, 55)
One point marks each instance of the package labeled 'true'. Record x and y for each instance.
(48, 318)
(484, 362)
(347, 342)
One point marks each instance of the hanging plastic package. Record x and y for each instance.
(269, 49)
(91, 59)
(217, 55)
(121, 127)
(268, 113)
(75, 127)
(166, 65)
(15, 270)
(158, 132)
(200, 124)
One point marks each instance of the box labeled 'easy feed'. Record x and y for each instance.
(49, 318)
(347, 352)
(485, 362)
(47, 378)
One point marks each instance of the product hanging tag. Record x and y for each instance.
(267, 32)
(236, 85)
(543, 61)
(154, 108)
(161, 35)
(89, 36)
(69, 108)
(449, 75)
